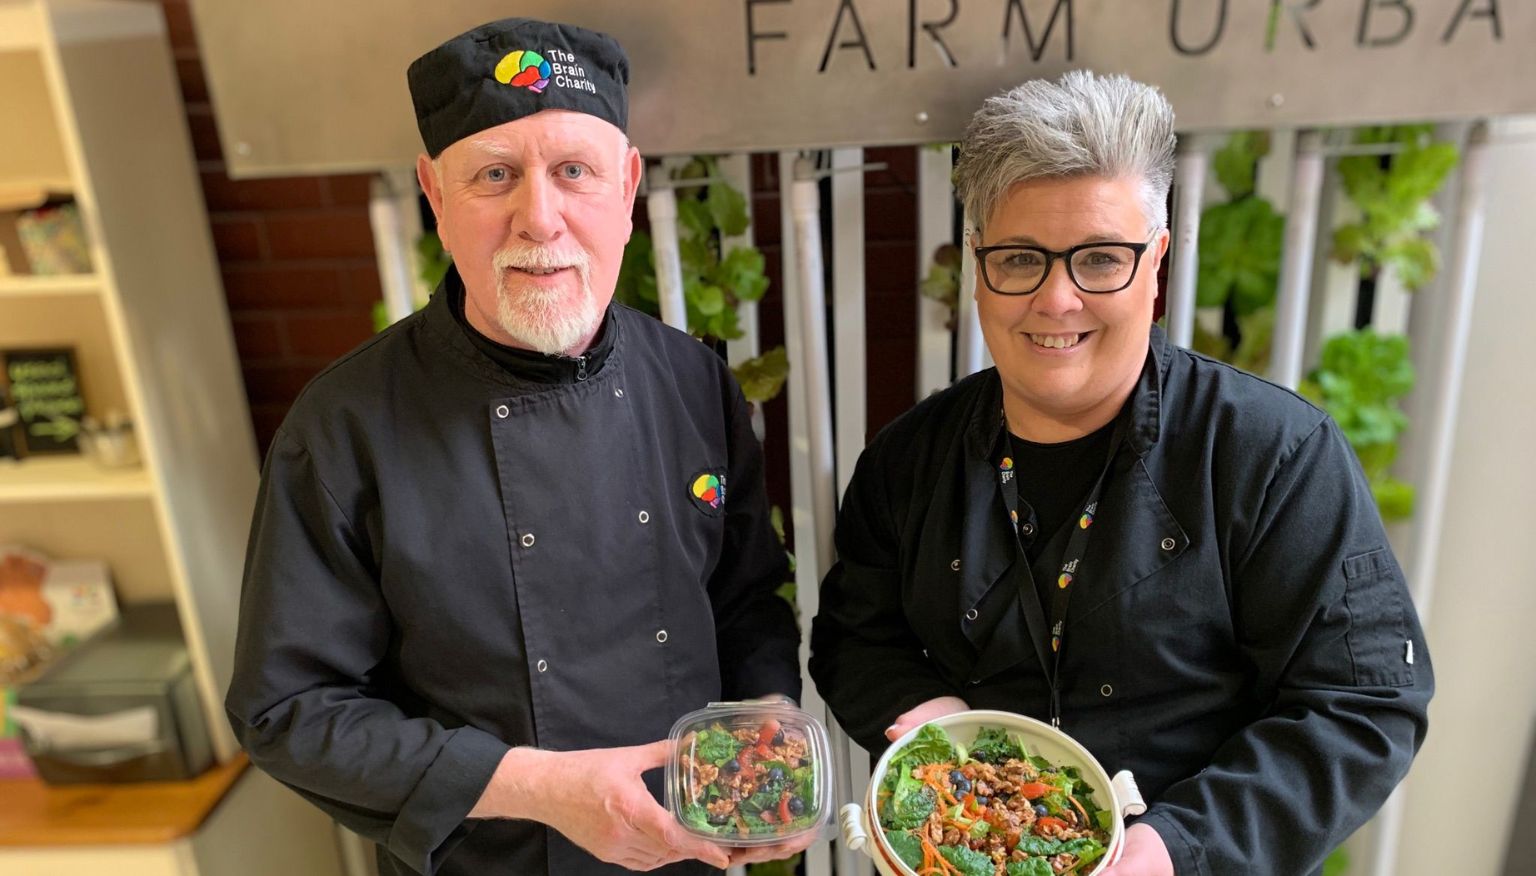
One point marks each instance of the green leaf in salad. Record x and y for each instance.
(909, 806)
(979, 829)
(968, 862)
(995, 746)
(1087, 850)
(1031, 867)
(715, 746)
(1030, 844)
(907, 847)
(696, 817)
(930, 745)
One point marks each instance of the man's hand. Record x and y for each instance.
(598, 801)
(923, 713)
(1144, 855)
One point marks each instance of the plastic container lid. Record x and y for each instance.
(750, 774)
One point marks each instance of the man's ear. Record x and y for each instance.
(634, 170)
(426, 176)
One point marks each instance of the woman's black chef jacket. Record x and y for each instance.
(1243, 640)
(447, 560)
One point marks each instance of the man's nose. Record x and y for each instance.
(536, 217)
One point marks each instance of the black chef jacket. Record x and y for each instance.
(1240, 636)
(448, 559)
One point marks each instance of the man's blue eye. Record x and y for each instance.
(573, 171)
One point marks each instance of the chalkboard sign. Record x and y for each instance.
(45, 390)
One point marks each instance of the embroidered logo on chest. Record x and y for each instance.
(707, 490)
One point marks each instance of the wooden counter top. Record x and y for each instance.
(35, 814)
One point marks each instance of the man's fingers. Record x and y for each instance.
(653, 755)
(658, 824)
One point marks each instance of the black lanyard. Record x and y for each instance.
(1077, 548)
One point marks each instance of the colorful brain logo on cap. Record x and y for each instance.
(525, 69)
(1085, 521)
(1006, 464)
(706, 488)
(1064, 581)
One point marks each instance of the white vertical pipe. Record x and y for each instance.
(848, 330)
(737, 170)
(818, 858)
(848, 308)
(935, 226)
(1466, 248)
(805, 202)
(1296, 266)
(1188, 196)
(661, 206)
(971, 347)
(396, 223)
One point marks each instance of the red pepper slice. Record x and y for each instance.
(1048, 821)
(766, 815)
(785, 816)
(1035, 790)
(766, 733)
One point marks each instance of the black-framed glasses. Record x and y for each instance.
(1015, 269)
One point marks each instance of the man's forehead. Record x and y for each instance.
(551, 131)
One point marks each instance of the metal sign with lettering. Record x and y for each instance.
(307, 87)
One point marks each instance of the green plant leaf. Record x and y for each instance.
(693, 219)
(762, 378)
(1414, 259)
(1235, 163)
(1240, 249)
(728, 208)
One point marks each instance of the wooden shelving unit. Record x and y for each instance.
(91, 107)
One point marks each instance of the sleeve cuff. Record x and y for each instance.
(1188, 857)
(433, 819)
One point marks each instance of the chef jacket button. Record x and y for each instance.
(1106, 690)
(1027, 529)
(970, 615)
(1169, 544)
(954, 565)
(527, 539)
(645, 517)
(661, 636)
(618, 392)
(543, 666)
(502, 411)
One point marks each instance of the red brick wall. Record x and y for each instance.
(296, 255)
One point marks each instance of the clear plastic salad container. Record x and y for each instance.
(750, 774)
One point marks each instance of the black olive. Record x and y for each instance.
(731, 766)
(796, 806)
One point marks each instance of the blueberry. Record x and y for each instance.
(778, 738)
(963, 787)
(981, 801)
(775, 775)
(718, 819)
(1040, 810)
(731, 766)
(796, 806)
(956, 777)
(1002, 796)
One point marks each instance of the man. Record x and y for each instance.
(481, 585)
(1179, 563)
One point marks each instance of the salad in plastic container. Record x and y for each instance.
(750, 774)
(991, 794)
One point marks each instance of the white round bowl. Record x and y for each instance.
(861, 825)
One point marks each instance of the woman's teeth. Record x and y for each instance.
(1056, 342)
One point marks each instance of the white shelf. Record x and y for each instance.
(69, 477)
(28, 285)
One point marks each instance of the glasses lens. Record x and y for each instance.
(1014, 270)
(1104, 268)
